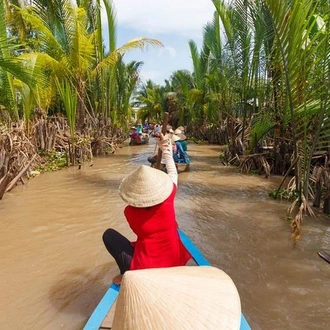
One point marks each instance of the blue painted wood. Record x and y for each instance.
(194, 251)
(110, 296)
(102, 309)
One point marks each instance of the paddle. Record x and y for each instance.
(324, 255)
(159, 156)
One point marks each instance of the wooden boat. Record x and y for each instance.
(101, 318)
(182, 167)
(142, 140)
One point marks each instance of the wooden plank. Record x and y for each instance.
(107, 322)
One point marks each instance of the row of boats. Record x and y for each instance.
(178, 140)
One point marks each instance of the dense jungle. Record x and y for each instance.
(259, 86)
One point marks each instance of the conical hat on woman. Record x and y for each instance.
(135, 188)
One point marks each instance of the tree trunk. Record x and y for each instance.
(318, 193)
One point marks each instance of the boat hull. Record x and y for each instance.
(182, 167)
(99, 320)
(137, 142)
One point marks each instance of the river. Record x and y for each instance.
(54, 268)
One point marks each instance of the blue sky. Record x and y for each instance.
(173, 22)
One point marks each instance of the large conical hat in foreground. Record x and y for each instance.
(177, 298)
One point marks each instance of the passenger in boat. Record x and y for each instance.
(139, 129)
(150, 213)
(179, 155)
(134, 135)
(146, 126)
(182, 140)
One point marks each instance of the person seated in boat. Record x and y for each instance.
(182, 140)
(179, 155)
(139, 129)
(182, 156)
(150, 213)
(134, 133)
(146, 126)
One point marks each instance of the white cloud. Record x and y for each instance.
(183, 17)
(167, 50)
(153, 75)
(173, 22)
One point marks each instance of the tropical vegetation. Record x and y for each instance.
(61, 82)
(260, 85)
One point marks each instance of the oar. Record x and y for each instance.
(324, 255)
(159, 156)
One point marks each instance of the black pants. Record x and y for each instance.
(119, 247)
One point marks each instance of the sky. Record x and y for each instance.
(172, 22)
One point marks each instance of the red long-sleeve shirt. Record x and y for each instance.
(158, 243)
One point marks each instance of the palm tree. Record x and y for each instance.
(182, 82)
(152, 99)
(304, 59)
(71, 49)
(15, 73)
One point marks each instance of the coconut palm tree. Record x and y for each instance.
(16, 73)
(152, 99)
(71, 49)
(305, 63)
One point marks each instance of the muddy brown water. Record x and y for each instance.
(54, 268)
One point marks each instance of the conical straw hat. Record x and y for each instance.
(175, 138)
(182, 137)
(178, 131)
(177, 298)
(145, 186)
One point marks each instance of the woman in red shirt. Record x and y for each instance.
(150, 214)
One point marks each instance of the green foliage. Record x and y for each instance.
(52, 161)
(283, 193)
(69, 97)
(261, 126)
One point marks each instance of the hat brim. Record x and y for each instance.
(175, 138)
(170, 298)
(182, 136)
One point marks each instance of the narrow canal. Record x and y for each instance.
(54, 268)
